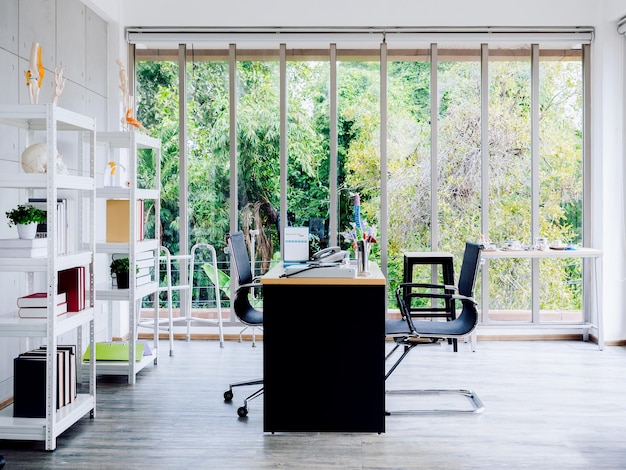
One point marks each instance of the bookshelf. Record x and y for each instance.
(129, 202)
(46, 122)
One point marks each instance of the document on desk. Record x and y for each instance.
(327, 270)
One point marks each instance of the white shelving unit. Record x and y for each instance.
(132, 141)
(51, 120)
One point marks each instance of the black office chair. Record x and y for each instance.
(247, 314)
(409, 333)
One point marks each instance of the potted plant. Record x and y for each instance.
(26, 218)
(119, 268)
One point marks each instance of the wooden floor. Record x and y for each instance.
(549, 405)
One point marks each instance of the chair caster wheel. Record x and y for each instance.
(242, 411)
(228, 395)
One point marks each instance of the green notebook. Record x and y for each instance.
(115, 351)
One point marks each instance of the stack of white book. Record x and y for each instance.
(145, 267)
(35, 305)
(64, 235)
(21, 248)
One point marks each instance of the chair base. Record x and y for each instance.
(253, 327)
(477, 406)
(242, 411)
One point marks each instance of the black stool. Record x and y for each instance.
(435, 259)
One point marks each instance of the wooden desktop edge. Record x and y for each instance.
(272, 277)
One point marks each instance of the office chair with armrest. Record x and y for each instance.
(409, 333)
(247, 314)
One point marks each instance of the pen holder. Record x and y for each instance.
(362, 258)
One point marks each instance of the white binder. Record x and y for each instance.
(296, 244)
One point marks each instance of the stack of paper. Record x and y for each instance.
(328, 270)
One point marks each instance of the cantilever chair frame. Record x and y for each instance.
(241, 300)
(409, 333)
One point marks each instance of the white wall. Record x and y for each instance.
(608, 210)
(108, 10)
(610, 130)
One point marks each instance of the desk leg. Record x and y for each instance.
(484, 307)
(448, 279)
(535, 300)
(599, 322)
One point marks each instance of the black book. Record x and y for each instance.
(62, 385)
(29, 387)
(70, 371)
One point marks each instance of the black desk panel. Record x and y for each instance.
(323, 352)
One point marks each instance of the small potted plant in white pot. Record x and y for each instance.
(26, 217)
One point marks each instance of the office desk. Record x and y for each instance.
(536, 255)
(324, 353)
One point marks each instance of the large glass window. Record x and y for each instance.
(157, 110)
(308, 147)
(358, 86)
(436, 114)
(561, 180)
(208, 162)
(459, 149)
(258, 153)
(409, 158)
(558, 170)
(207, 174)
(510, 175)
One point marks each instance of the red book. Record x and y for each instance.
(72, 282)
(83, 287)
(40, 312)
(39, 299)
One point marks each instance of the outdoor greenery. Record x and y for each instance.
(459, 157)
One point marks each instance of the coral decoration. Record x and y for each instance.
(35, 73)
(40, 66)
(59, 83)
(132, 121)
(128, 118)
